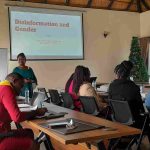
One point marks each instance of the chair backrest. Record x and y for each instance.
(121, 112)
(89, 105)
(67, 100)
(7, 135)
(40, 89)
(55, 97)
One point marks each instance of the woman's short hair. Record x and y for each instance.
(123, 70)
(14, 75)
(21, 55)
(81, 74)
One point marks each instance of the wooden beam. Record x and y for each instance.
(121, 1)
(139, 8)
(89, 3)
(110, 4)
(145, 4)
(45, 1)
(67, 2)
(129, 5)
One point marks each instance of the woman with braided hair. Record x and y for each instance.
(122, 88)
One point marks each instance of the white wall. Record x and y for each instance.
(101, 54)
(145, 24)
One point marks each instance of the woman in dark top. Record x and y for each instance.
(124, 89)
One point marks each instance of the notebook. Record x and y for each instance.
(80, 126)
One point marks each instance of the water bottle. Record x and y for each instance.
(26, 96)
(94, 84)
(141, 88)
(131, 78)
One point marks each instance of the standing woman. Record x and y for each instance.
(27, 73)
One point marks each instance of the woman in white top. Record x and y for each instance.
(83, 87)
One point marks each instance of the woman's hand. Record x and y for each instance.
(27, 81)
(41, 111)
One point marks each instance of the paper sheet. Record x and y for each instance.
(28, 108)
(24, 105)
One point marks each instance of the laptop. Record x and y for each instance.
(93, 79)
(37, 99)
(35, 102)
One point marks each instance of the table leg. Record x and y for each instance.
(48, 143)
(46, 139)
(100, 145)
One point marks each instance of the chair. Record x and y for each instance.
(89, 105)
(40, 89)
(122, 113)
(55, 97)
(67, 101)
(6, 135)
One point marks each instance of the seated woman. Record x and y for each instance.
(71, 91)
(68, 83)
(22, 139)
(122, 88)
(27, 73)
(81, 86)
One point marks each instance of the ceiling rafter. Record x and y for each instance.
(89, 3)
(110, 4)
(67, 2)
(121, 1)
(139, 8)
(125, 5)
(129, 5)
(45, 1)
(145, 4)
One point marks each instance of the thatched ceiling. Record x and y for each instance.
(122, 5)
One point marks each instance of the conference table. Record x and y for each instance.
(111, 130)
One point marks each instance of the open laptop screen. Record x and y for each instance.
(37, 99)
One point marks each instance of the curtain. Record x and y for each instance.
(144, 44)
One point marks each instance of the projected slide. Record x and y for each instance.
(46, 35)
